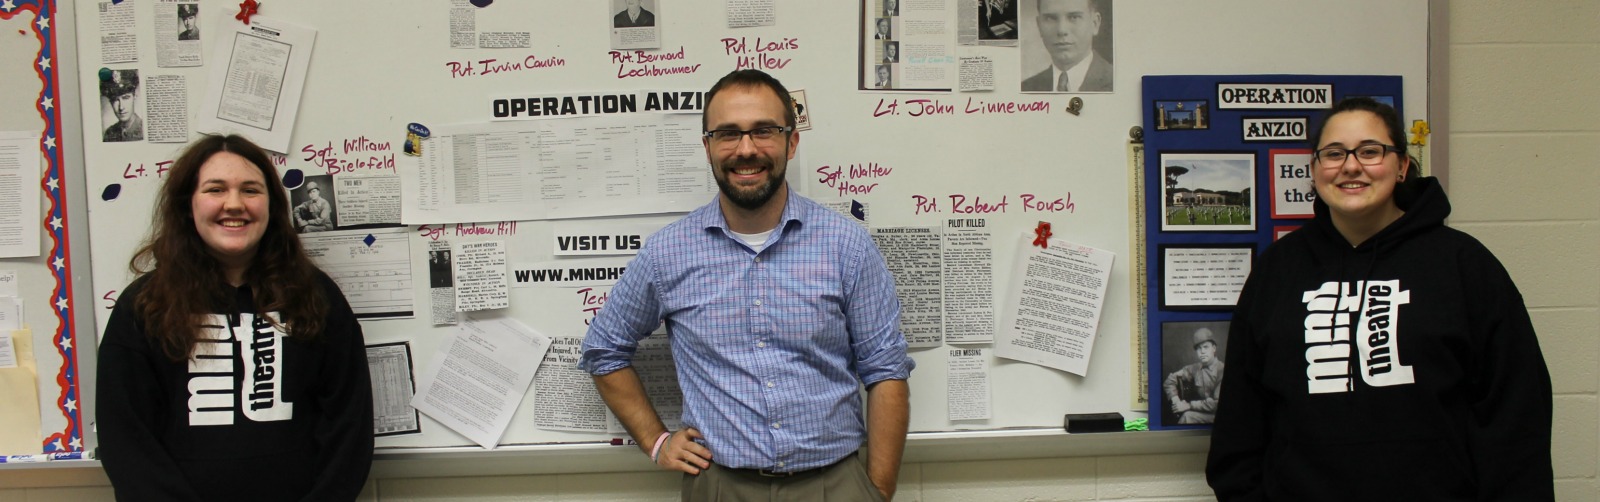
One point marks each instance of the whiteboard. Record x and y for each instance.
(378, 66)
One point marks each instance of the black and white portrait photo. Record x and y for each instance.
(313, 209)
(1066, 45)
(188, 21)
(119, 104)
(882, 29)
(633, 14)
(1191, 369)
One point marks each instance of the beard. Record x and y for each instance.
(755, 198)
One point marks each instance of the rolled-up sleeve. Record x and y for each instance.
(873, 317)
(630, 313)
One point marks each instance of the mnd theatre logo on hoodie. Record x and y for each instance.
(1367, 312)
(258, 345)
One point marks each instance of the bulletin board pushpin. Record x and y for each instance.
(247, 8)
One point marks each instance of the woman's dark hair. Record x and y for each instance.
(183, 282)
(1404, 191)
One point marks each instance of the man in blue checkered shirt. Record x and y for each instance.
(778, 311)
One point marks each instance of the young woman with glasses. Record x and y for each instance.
(1376, 354)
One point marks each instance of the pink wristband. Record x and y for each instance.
(656, 450)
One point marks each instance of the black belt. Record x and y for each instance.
(768, 473)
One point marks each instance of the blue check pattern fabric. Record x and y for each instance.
(772, 348)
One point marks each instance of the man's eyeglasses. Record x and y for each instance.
(765, 135)
(1367, 155)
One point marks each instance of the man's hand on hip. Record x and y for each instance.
(682, 453)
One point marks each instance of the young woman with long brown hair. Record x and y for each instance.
(232, 368)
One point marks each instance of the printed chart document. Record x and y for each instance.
(19, 194)
(479, 376)
(372, 267)
(967, 385)
(257, 74)
(643, 163)
(1054, 305)
(393, 387)
(915, 259)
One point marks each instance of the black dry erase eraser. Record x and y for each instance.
(1077, 423)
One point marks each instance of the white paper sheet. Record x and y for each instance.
(1053, 308)
(166, 109)
(375, 275)
(178, 33)
(581, 167)
(564, 397)
(915, 258)
(476, 381)
(19, 194)
(8, 350)
(119, 43)
(918, 52)
(10, 313)
(257, 74)
(480, 272)
(967, 385)
(751, 13)
(968, 281)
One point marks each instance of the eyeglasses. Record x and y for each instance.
(764, 135)
(1367, 155)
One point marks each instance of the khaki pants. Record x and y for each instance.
(845, 480)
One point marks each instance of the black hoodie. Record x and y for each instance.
(1404, 368)
(255, 415)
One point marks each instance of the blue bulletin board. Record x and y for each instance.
(1227, 171)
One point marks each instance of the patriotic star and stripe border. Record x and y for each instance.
(52, 182)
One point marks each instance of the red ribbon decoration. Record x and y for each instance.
(1042, 235)
(247, 8)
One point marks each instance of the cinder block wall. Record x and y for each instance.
(1524, 178)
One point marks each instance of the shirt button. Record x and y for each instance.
(758, 303)
(780, 464)
(769, 385)
(775, 425)
(761, 344)
(758, 259)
